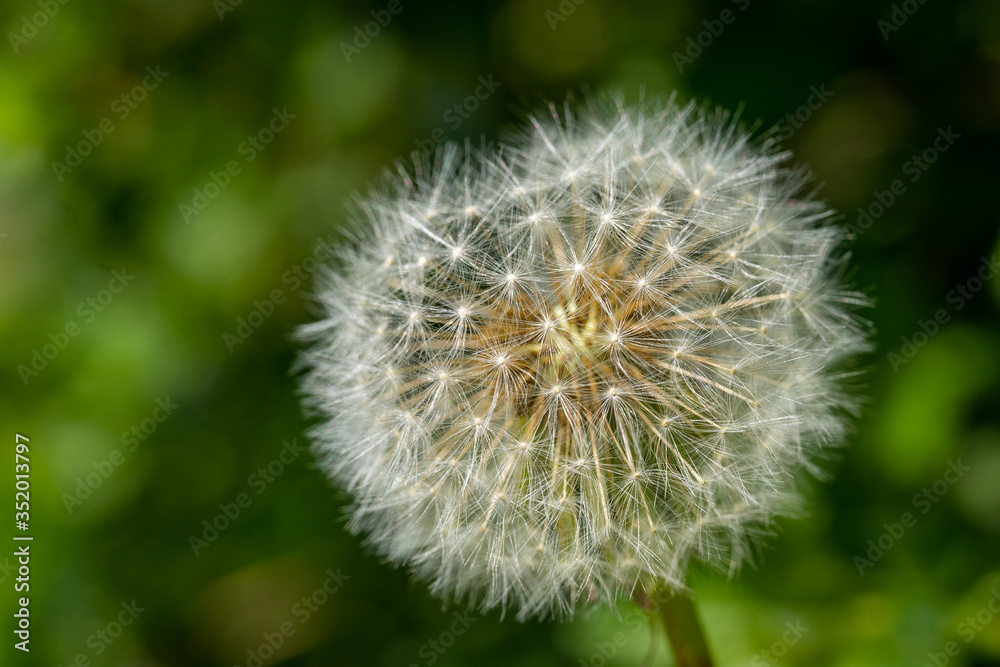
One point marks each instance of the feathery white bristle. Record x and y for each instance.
(559, 371)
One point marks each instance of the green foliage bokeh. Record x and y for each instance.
(173, 333)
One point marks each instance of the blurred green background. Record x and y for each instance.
(158, 398)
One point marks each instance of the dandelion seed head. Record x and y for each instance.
(631, 357)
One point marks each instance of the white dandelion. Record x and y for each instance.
(561, 370)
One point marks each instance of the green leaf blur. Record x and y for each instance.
(173, 173)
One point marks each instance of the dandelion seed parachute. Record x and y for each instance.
(560, 370)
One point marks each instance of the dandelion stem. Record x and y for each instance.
(687, 640)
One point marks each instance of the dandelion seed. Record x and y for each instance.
(583, 436)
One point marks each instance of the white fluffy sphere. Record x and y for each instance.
(562, 369)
